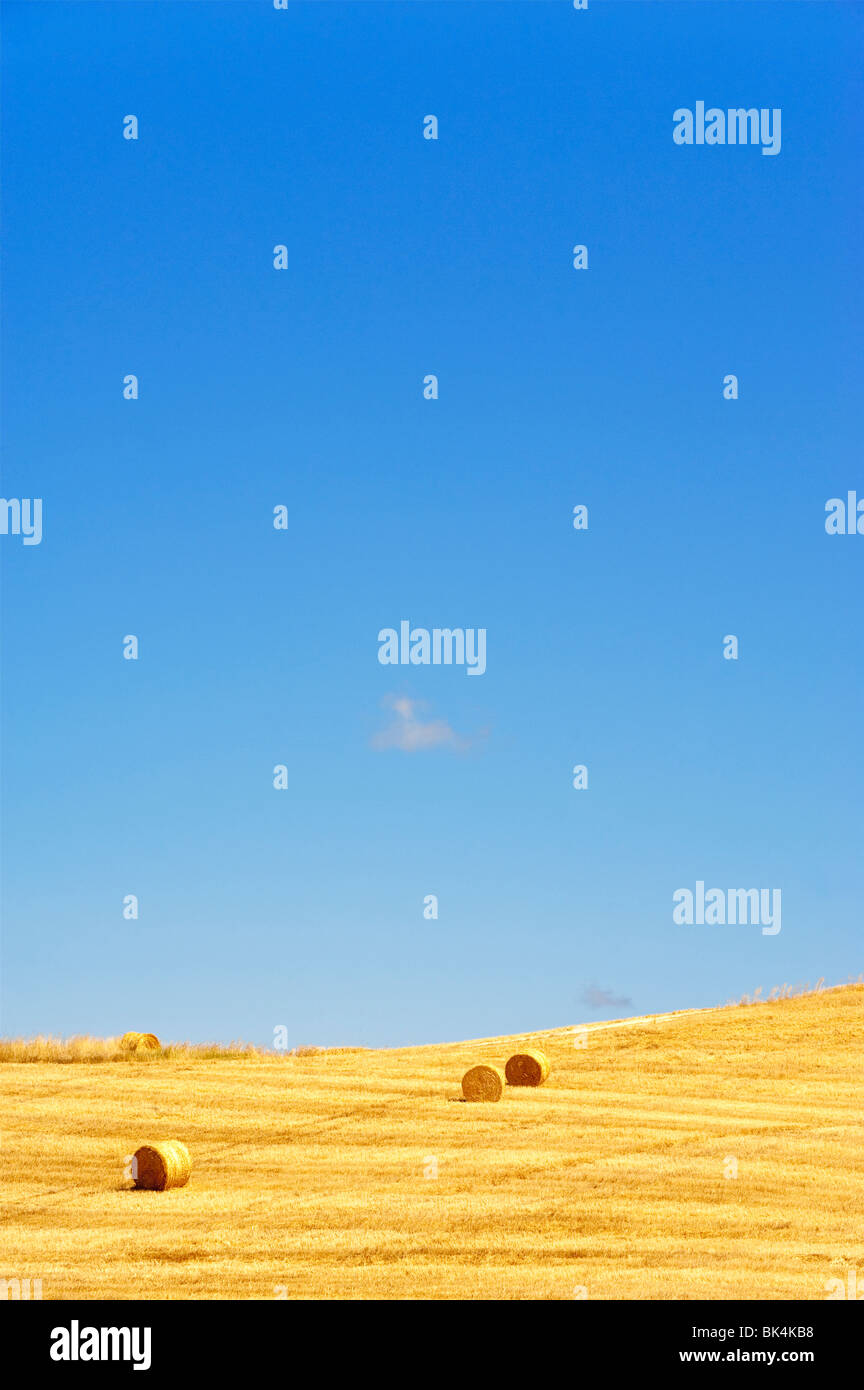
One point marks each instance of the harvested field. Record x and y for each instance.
(356, 1174)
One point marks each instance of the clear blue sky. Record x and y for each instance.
(258, 647)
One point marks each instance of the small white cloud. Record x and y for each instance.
(604, 999)
(412, 734)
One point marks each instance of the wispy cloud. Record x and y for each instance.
(410, 733)
(596, 998)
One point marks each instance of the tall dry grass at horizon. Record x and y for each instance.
(84, 1048)
(361, 1174)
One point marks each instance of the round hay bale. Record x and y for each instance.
(528, 1068)
(166, 1164)
(483, 1083)
(147, 1042)
(129, 1041)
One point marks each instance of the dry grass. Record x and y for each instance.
(788, 991)
(355, 1175)
(86, 1049)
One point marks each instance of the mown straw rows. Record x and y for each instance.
(361, 1175)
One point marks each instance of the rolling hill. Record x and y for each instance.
(705, 1154)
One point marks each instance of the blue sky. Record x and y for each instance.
(304, 387)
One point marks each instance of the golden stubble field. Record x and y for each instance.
(360, 1174)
